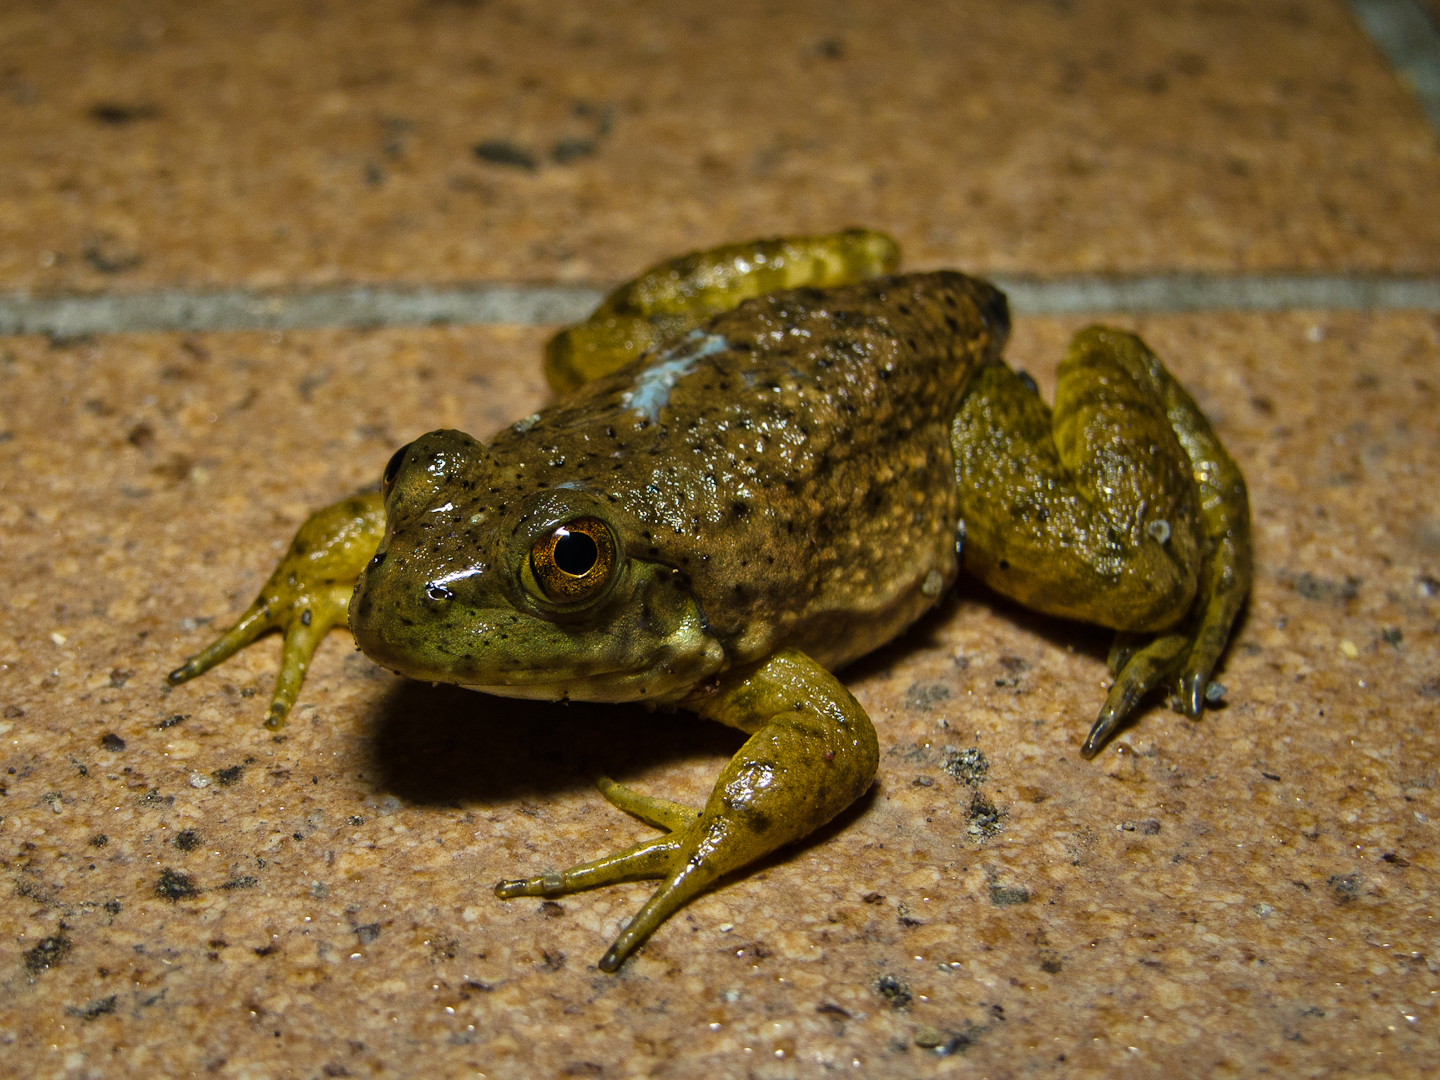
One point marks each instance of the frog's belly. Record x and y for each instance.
(648, 687)
(849, 621)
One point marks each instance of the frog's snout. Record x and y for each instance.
(408, 623)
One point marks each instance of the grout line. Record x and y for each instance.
(72, 316)
(546, 305)
(1403, 31)
(1168, 293)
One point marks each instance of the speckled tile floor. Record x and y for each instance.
(1253, 894)
(268, 143)
(1257, 888)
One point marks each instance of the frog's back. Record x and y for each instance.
(791, 459)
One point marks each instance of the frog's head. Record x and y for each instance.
(526, 592)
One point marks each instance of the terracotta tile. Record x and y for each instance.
(270, 144)
(1256, 889)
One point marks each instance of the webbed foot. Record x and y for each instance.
(812, 753)
(307, 596)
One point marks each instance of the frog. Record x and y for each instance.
(762, 462)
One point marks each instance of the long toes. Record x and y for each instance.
(647, 860)
(255, 622)
(651, 809)
(1145, 670)
(301, 641)
(687, 882)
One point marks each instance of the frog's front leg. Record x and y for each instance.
(1120, 508)
(307, 596)
(812, 752)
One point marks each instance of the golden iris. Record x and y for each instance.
(573, 561)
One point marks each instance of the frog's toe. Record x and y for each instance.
(644, 861)
(303, 619)
(255, 622)
(303, 634)
(1183, 660)
(1138, 671)
(1208, 642)
(651, 809)
(694, 874)
(676, 857)
(649, 859)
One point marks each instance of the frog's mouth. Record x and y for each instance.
(651, 645)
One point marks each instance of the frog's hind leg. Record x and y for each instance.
(1119, 508)
(812, 752)
(681, 294)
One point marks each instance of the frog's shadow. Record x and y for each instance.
(443, 745)
(446, 745)
(1083, 638)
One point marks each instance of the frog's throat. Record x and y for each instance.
(662, 672)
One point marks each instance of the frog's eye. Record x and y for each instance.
(392, 470)
(573, 562)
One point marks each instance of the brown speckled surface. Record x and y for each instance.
(1250, 895)
(269, 143)
(185, 895)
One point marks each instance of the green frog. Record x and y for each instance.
(764, 461)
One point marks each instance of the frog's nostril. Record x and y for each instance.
(438, 592)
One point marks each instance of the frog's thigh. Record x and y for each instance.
(1088, 512)
(680, 294)
(1118, 509)
(812, 752)
(306, 597)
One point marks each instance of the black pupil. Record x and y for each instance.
(575, 553)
